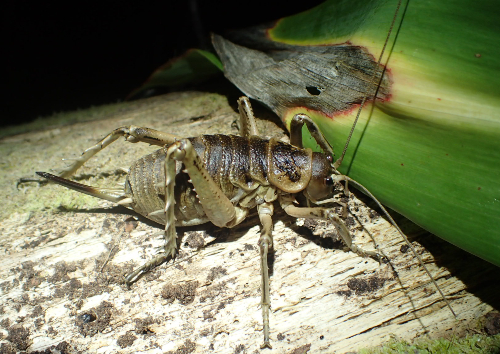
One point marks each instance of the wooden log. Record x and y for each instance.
(64, 255)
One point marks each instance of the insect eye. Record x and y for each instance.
(329, 181)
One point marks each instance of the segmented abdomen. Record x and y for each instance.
(236, 164)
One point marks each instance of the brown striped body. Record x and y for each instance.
(248, 171)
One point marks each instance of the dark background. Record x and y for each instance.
(66, 56)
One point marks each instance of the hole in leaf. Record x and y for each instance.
(313, 90)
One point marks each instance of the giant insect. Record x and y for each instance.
(220, 178)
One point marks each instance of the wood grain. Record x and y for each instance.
(53, 246)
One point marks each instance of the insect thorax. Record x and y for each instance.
(247, 170)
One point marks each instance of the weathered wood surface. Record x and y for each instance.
(323, 298)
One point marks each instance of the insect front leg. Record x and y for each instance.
(296, 125)
(329, 214)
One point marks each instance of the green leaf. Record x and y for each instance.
(430, 151)
(194, 67)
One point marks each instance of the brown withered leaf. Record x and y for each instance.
(323, 78)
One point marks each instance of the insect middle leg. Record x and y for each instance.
(265, 211)
(136, 134)
(247, 119)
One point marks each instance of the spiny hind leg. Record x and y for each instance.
(170, 233)
(330, 215)
(265, 211)
(247, 119)
(131, 133)
(217, 207)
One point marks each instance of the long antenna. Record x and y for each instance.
(363, 188)
(391, 220)
(363, 101)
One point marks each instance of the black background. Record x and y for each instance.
(65, 56)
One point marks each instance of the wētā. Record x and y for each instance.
(219, 178)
